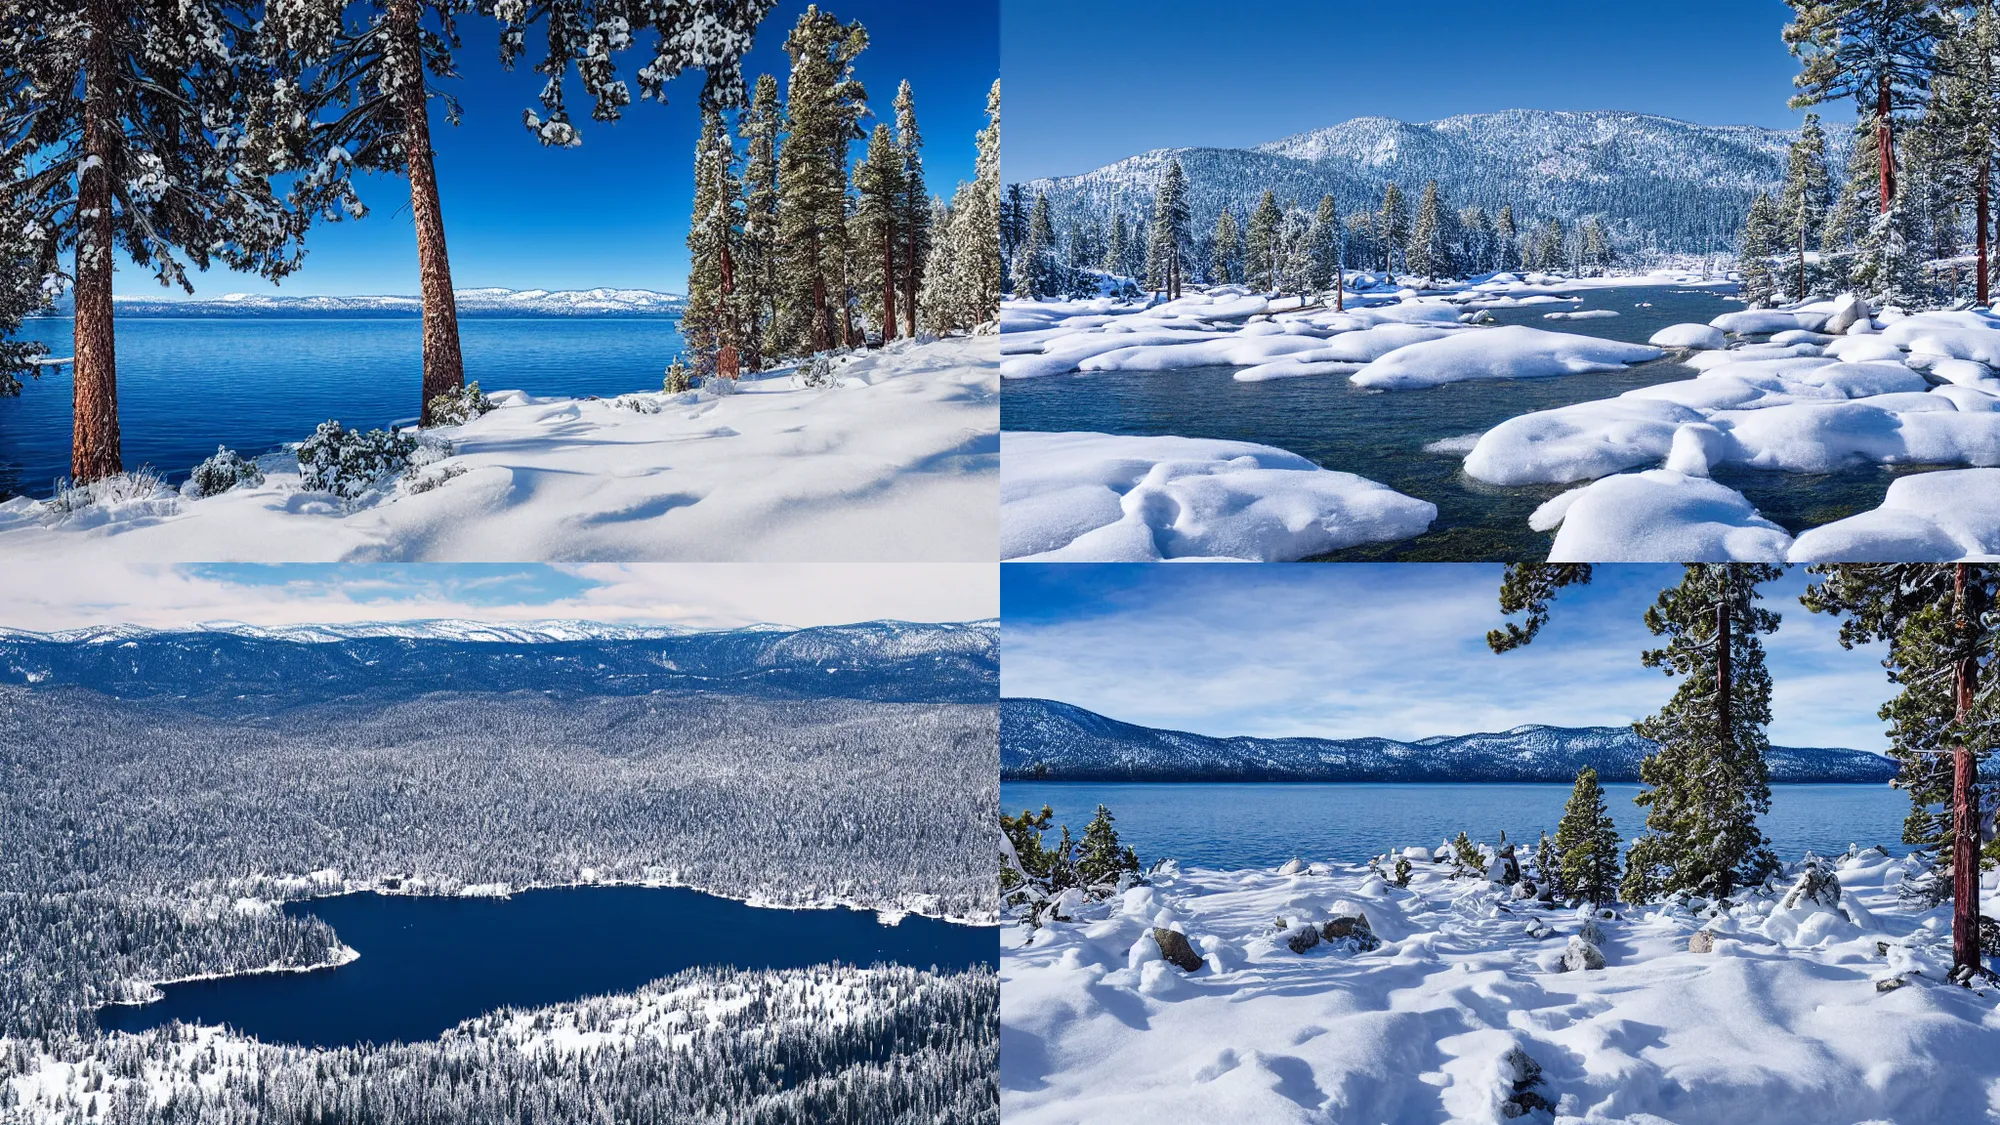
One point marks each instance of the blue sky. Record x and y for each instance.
(1088, 84)
(1396, 650)
(44, 597)
(615, 211)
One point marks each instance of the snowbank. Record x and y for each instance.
(1086, 497)
(900, 461)
(1659, 516)
(1508, 352)
(1952, 515)
(1795, 1015)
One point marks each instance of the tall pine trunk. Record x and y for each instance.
(889, 283)
(94, 444)
(1965, 793)
(1985, 207)
(1885, 148)
(912, 275)
(444, 364)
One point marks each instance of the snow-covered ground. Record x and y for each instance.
(1818, 388)
(900, 461)
(1802, 1011)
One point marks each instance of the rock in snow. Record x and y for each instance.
(1664, 516)
(1082, 497)
(1175, 948)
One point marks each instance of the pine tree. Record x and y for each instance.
(1013, 222)
(1260, 249)
(1966, 108)
(761, 126)
(1586, 845)
(1476, 248)
(709, 322)
(914, 211)
(942, 302)
(119, 118)
(824, 103)
(1754, 249)
(1853, 212)
(1100, 859)
(22, 287)
(1596, 247)
(1506, 241)
(1427, 253)
(1549, 245)
(1878, 52)
(1117, 248)
(979, 261)
(1944, 652)
(1392, 226)
(1226, 263)
(1292, 253)
(1170, 232)
(1035, 274)
(1324, 246)
(1528, 588)
(1889, 265)
(1708, 780)
(1804, 201)
(879, 200)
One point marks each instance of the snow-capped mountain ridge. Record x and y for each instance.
(486, 301)
(1048, 740)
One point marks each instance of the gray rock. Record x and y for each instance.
(1525, 889)
(1353, 929)
(1846, 311)
(1581, 955)
(1890, 984)
(1175, 948)
(1591, 932)
(1530, 1093)
(1701, 941)
(1301, 938)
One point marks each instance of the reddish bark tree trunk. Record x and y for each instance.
(889, 284)
(444, 364)
(1965, 792)
(1884, 145)
(94, 443)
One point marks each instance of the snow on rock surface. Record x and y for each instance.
(1664, 516)
(1508, 352)
(899, 461)
(1943, 516)
(1690, 336)
(1463, 1010)
(1084, 497)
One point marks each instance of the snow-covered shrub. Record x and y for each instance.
(430, 450)
(816, 372)
(139, 484)
(347, 462)
(220, 473)
(680, 377)
(637, 404)
(423, 482)
(715, 386)
(455, 408)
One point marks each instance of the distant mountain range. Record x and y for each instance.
(1681, 186)
(889, 661)
(471, 303)
(1046, 740)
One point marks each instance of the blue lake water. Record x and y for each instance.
(1262, 825)
(255, 383)
(428, 963)
(1382, 435)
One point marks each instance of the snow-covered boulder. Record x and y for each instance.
(1351, 929)
(1175, 949)
(1580, 956)
(1848, 309)
(1662, 516)
(1292, 867)
(1761, 322)
(1509, 352)
(1301, 937)
(1701, 941)
(1941, 516)
(1693, 336)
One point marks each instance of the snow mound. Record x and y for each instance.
(1663, 516)
(1949, 515)
(1098, 497)
(1508, 352)
(1700, 336)
(1763, 322)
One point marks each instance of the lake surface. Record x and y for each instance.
(428, 963)
(255, 383)
(1382, 435)
(1263, 825)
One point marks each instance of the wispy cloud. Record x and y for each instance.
(717, 595)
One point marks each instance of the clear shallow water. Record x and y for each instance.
(254, 383)
(1382, 435)
(428, 963)
(1263, 825)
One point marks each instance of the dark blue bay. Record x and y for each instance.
(255, 383)
(1262, 825)
(428, 963)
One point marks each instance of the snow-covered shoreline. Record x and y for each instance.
(1791, 1010)
(897, 462)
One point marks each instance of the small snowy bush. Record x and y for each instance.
(347, 462)
(424, 482)
(715, 386)
(455, 408)
(680, 377)
(637, 404)
(220, 473)
(816, 372)
(139, 484)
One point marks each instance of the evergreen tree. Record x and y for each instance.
(1803, 203)
(1549, 245)
(1707, 780)
(1035, 274)
(1226, 262)
(1170, 232)
(1966, 109)
(1392, 226)
(824, 104)
(1889, 265)
(1506, 241)
(1427, 252)
(914, 212)
(1117, 247)
(1100, 859)
(1596, 247)
(1944, 653)
(1586, 845)
(1260, 249)
(757, 275)
(979, 261)
(1013, 222)
(1547, 870)
(709, 322)
(1853, 212)
(880, 189)
(942, 303)
(1528, 588)
(1878, 52)
(1475, 248)
(22, 288)
(1324, 246)
(119, 119)
(1292, 253)
(1754, 250)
